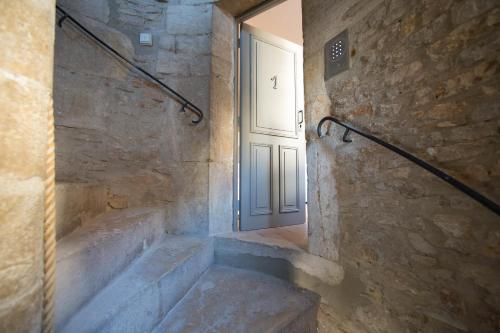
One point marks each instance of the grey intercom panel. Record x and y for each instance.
(337, 55)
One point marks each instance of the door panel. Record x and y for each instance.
(289, 174)
(272, 170)
(261, 179)
(273, 93)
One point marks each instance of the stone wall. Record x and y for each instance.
(77, 202)
(424, 75)
(117, 130)
(222, 134)
(27, 31)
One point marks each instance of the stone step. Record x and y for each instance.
(141, 296)
(92, 255)
(239, 301)
(282, 259)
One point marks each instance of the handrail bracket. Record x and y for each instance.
(345, 136)
(183, 107)
(61, 20)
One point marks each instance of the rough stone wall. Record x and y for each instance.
(27, 31)
(221, 122)
(424, 75)
(117, 130)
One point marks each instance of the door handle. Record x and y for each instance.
(301, 118)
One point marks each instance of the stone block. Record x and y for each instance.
(95, 9)
(223, 25)
(24, 314)
(21, 247)
(167, 42)
(91, 256)
(148, 14)
(183, 64)
(464, 11)
(197, 90)
(30, 51)
(201, 66)
(18, 119)
(118, 202)
(189, 19)
(453, 225)
(140, 297)
(190, 212)
(170, 63)
(221, 121)
(194, 45)
(75, 203)
(223, 70)
(220, 197)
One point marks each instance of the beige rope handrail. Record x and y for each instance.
(49, 232)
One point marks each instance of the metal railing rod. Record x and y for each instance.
(491, 205)
(186, 104)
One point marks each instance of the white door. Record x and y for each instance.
(272, 131)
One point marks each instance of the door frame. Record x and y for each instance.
(266, 5)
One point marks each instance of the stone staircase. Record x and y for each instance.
(90, 257)
(120, 272)
(237, 301)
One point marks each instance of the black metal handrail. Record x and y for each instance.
(186, 104)
(435, 171)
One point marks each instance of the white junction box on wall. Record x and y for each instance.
(146, 39)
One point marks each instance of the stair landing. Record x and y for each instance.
(239, 301)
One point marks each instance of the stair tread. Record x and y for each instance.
(94, 254)
(238, 301)
(146, 272)
(100, 228)
(252, 243)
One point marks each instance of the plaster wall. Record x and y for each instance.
(27, 31)
(283, 20)
(423, 76)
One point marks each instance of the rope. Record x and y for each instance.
(49, 232)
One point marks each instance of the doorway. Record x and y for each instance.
(272, 161)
